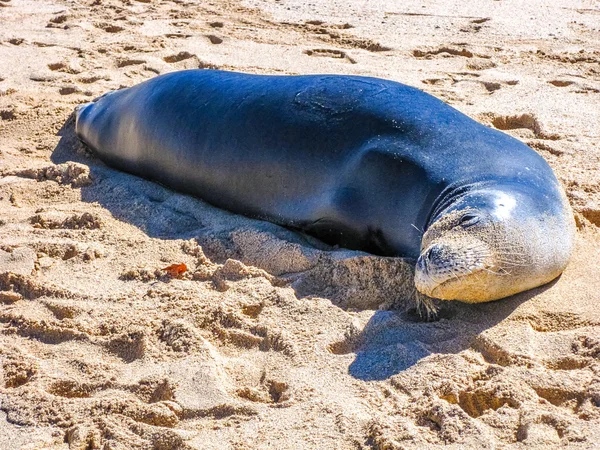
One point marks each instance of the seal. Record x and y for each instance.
(364, 163)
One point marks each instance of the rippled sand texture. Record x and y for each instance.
(268, 341)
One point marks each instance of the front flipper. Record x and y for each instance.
(347, 222)
(332, 232)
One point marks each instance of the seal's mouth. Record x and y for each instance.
(453, 283)
(452, 274)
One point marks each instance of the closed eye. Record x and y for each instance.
(468, 220)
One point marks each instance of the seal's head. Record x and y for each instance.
(488, 241)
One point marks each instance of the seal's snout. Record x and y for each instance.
(441, 265)
(453, 272)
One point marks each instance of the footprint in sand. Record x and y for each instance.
(480, 64)
(56, 66)
(68, 90)
(330, 53)
(577, 87)
(475, 25)
(561, 83)
(178, 35)
(58, 22)
(349, 343)
(109, 28)
(184, 60)
(124, 62)
(93, 79)
(365, 44)
(331, 33)
(51, 220)
(524, 121)
(443, 52)
(181, 56)
(63, 308)
(582, 56)
(18, 370)
(214, 39)
(269, 391)
(438, 81)
(343, 26)
(491, 86)
(129, 346)
(71, 68)
(544, 147)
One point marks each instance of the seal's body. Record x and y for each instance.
(361, 162)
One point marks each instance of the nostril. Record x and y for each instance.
(433, 253)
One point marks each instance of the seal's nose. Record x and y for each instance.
(429, 258)
(434, 252)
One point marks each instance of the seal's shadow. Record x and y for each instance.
(391, 342)
(128, 198)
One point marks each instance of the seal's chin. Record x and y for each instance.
(465, 273)
(472, 287)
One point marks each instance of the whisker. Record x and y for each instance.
(512, 263)
(417, 228)
(508, 251)
(501, 272)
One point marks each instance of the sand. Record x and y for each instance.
(268, 340)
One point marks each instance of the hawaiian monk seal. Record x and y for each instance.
(365, 163)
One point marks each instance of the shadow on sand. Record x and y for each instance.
(393, 341)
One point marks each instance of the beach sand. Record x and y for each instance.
(267, 341)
